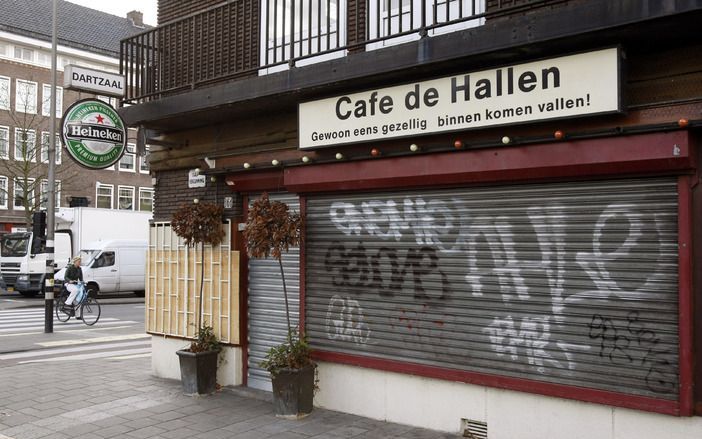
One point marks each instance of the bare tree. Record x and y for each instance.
(25, 161)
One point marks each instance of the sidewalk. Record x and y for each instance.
(120, 399)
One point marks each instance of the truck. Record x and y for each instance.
(23, 255)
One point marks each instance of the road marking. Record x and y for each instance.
(66, 330)
(21, 323)
(93, 340)
(129, 357)
(88, 356)
(45, 352)
(65, 326)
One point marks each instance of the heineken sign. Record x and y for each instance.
(94, 134)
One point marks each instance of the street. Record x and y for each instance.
(119, 333)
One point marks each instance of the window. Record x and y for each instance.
(319, 26)
(146, 199)
(106, 259)
(23, 186)
(4, 143)
(3, 49)
(46, 100)
(4, 93)
(24, 53)
(126, 198)
(108, 100)
(25, 145)
(3, 192)
(391, 17)
(144, 161)
(126, 163)
(44, 191)
(44, 59)
(26, 96)
(103, 195)
(45, 148)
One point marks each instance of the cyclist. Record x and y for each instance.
(73, 274)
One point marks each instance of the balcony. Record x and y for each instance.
(247, 38)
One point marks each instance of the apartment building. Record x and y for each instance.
(87, 38)
(500, 199)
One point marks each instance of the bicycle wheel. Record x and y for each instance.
(90, 311)
(62, 311)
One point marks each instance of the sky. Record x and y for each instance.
(121, 7)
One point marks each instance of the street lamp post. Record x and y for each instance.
(51, 202)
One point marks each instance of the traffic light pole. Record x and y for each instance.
(51, 202)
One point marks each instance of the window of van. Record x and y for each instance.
(106, 259)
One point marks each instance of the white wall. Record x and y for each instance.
(440, 405)
(164, 361)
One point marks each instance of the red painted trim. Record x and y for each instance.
(686, 318)
(636, 154)
(303, 215)
(522, 385)
(256, 181)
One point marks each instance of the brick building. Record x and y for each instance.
(500, 199)
(86, 38)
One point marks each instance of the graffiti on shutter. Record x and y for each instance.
(571, 283)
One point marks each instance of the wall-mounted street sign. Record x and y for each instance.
(569, 86)
(196, 179)
(83, 78)
(93, 133)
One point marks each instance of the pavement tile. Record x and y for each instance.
(27, 431)
(113, 431)
(146, 432)
(347, 431)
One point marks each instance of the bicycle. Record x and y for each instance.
(87, 305)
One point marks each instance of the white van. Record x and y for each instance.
(114, 266)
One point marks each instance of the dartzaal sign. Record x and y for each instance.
(569, 86)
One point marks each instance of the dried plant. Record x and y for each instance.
(199, 223)
(271, 229)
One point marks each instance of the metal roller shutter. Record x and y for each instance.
(570, 283)
(267, 325)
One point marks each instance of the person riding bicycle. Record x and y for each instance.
(73, 274)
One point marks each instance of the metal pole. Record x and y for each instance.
(51, 202)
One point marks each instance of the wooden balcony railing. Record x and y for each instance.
(241, 38)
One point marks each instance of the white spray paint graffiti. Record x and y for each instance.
(447, 227)
(346, 321)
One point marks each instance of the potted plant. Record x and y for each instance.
(199, 223)
(271, 229)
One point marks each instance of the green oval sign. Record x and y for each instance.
(94, 134)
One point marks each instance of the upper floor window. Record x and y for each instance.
(46, 100)
(108, 100)
(25, 96)
(126, 197)
(4, 93)
(126, 163)
(144, 161)
(25, 145)
(44, 59)
(45, 139)
(146, 199)
(3, 49)
(3, 192)
(44, 190)
(24, 192)
(391, 17)
(296, 29)
(103, 195)
(24, 53)
(4, 143)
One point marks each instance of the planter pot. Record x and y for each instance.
(293, 392)
(198, 372)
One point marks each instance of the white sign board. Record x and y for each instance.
(82, 78)
(569, 86)
(195, 179)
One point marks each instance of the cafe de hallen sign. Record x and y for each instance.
(93, 133)
(569, 86)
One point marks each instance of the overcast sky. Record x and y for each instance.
(121, 7)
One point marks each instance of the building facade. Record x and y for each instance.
(500, 201)
(25, 97)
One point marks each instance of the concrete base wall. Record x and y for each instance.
(441, 405)
(165, 364)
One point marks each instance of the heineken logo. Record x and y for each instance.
(94, 134)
